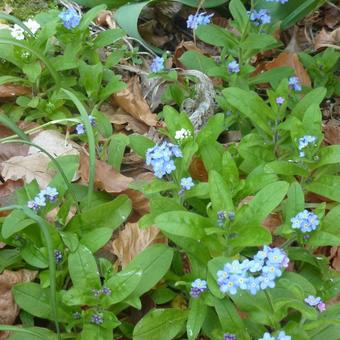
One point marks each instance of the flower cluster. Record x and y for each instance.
(97, 319)
(305, 221)
(228, 336)
(40, 200)
(198, 19)
(253, 275)
(17, 32)
(80, 128)
(304, 142)
(281, 336)
(157, 64)
(294, 84)
(103, 291)
(182, 134)
(260, 17)
(160, 158)
(315, 301)
(233, 67)
(70, 18)
(58, 255)
(198, 287)
(221, 217)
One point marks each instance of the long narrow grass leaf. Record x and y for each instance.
(11, 125)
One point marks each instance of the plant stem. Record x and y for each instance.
(288, 242)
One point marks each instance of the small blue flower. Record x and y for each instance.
(255, 266)
(282, 336)
(198, 287)
(279, 1)
(312, 300)
(92, 120)
(106, 291)
(97, 319)
(95, 292)
(32, 205)
(70, 18)
(80, 129)
(266, 282)
(187, 183)
(58, 255)
(76, 315)
(305, 221)
(198, 19)
(271, 272)
(221, 217)
(229, 286)
(40, 200)
(50, 193)
(304, 142)
(267, 336)
(260, 17)
(294, 84)
(157, 64)
(253, 285)
(229, 336)
(234, 67)
(280, 100)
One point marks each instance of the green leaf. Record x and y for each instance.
(123, 284)
(91, 78)
(329, 155)
(36, 301)
(114, 85)
(217, 36)
(156, 325)
(197, 61)
(273, 76)
(259, 42)
(91, 15)
(140, 144)
(154, 262)
(220, 193)
(196, 317)
(331, 222)
(116, 149)
(265, 201)
(323, 238)
(94, 332)
(15, 222)
(328, 186)
(108, 37)
(295, 202)
(8, 257)
(96, 239)
(83, 269)
(108, 215)
(285, 168)
(313, 97)
(239, 13)
(251, 105)
(184, 224)
(29, 333)
(32, 71)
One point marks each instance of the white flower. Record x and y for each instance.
(32, 25)
(182, 134)
(17, 32)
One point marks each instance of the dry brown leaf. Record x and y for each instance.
(197, 170)
(7, 191)
(105, 19)
(35, 164)
(106, 177)
(289, 59)
(8, 308)
(132, 240)
(332, 132)
(148, 32)
(327, 39)
(336, 258)
(132, 101)
(12, 91)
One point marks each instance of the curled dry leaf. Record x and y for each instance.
(132, 240)
(106, 177)
(197, 170)
(8, 91)
(332, 132)
(327, 39)
(105, 19)
(9, 310)
(35, 164)
(335, 253)
(132, 101)
(289, 59)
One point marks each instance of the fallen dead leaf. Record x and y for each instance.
(197, 170)
(7, 191)
(132, 240)
(11, 91)
(9, 310)
(105, 19)
(327, 39)
(148, 32)
(132, 101)
(106, 177)
(335, 252)
(289, 59)
(35, 164)
(332, 132)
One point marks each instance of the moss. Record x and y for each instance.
(24, 9)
